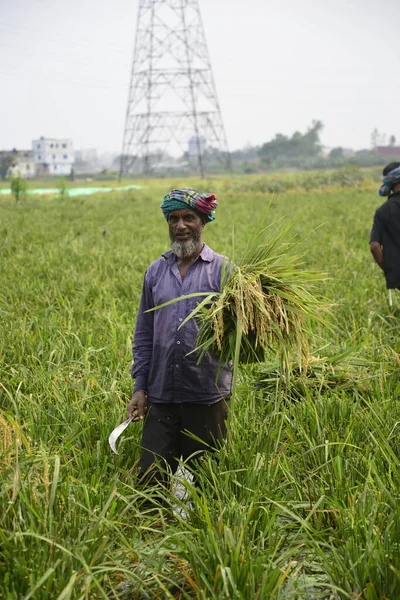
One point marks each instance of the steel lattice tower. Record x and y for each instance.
(173, 103)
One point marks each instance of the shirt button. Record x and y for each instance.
(177, 366)
(180, 319)
(178, 342)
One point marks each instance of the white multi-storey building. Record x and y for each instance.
(53, 156)
(26, 163)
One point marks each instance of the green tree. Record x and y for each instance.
(336, 154)
(299, 145)
(6, 159)
(62, 188)
(18, 187)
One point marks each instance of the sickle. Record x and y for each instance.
(114, 435)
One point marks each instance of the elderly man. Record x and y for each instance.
(174, 395)
(385, 235)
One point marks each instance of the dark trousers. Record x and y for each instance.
(165, 436)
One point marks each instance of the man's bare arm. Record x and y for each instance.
(377, 253)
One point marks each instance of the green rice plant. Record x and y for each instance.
(362, 556)
(317, 374)
(302, 501)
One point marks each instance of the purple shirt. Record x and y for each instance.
(162, 365)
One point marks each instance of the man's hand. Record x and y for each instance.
(137, 407)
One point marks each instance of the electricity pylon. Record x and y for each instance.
(173, 104)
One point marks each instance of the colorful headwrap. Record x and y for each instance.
(189, 198)
(389, 181)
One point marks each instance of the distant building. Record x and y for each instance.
(109, 160)
(196, 143)
(348, 152)
(87, 161)
(53, 156)
(26, 162)
(23, 158)
(87, 155)
(388, 151)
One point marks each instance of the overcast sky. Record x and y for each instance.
(65, 67)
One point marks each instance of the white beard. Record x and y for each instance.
(184, 249)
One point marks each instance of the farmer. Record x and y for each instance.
(385, 235)
(173, 394)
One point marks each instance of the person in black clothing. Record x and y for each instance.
(385, 234)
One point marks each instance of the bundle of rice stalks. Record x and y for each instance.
(319, 375)
(264, 304)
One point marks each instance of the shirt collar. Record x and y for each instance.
(206, 254)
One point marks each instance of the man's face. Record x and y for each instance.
(185, 228)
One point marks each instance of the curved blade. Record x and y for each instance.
(114, 435)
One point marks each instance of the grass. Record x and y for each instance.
(303, 500)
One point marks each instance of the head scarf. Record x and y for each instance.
(389, 181)
(189, 198)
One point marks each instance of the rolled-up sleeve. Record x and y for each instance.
(143, 338)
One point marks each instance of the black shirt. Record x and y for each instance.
(386, 231)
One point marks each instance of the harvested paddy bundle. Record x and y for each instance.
(264, 304)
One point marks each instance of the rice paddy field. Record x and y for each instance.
(303, 500)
